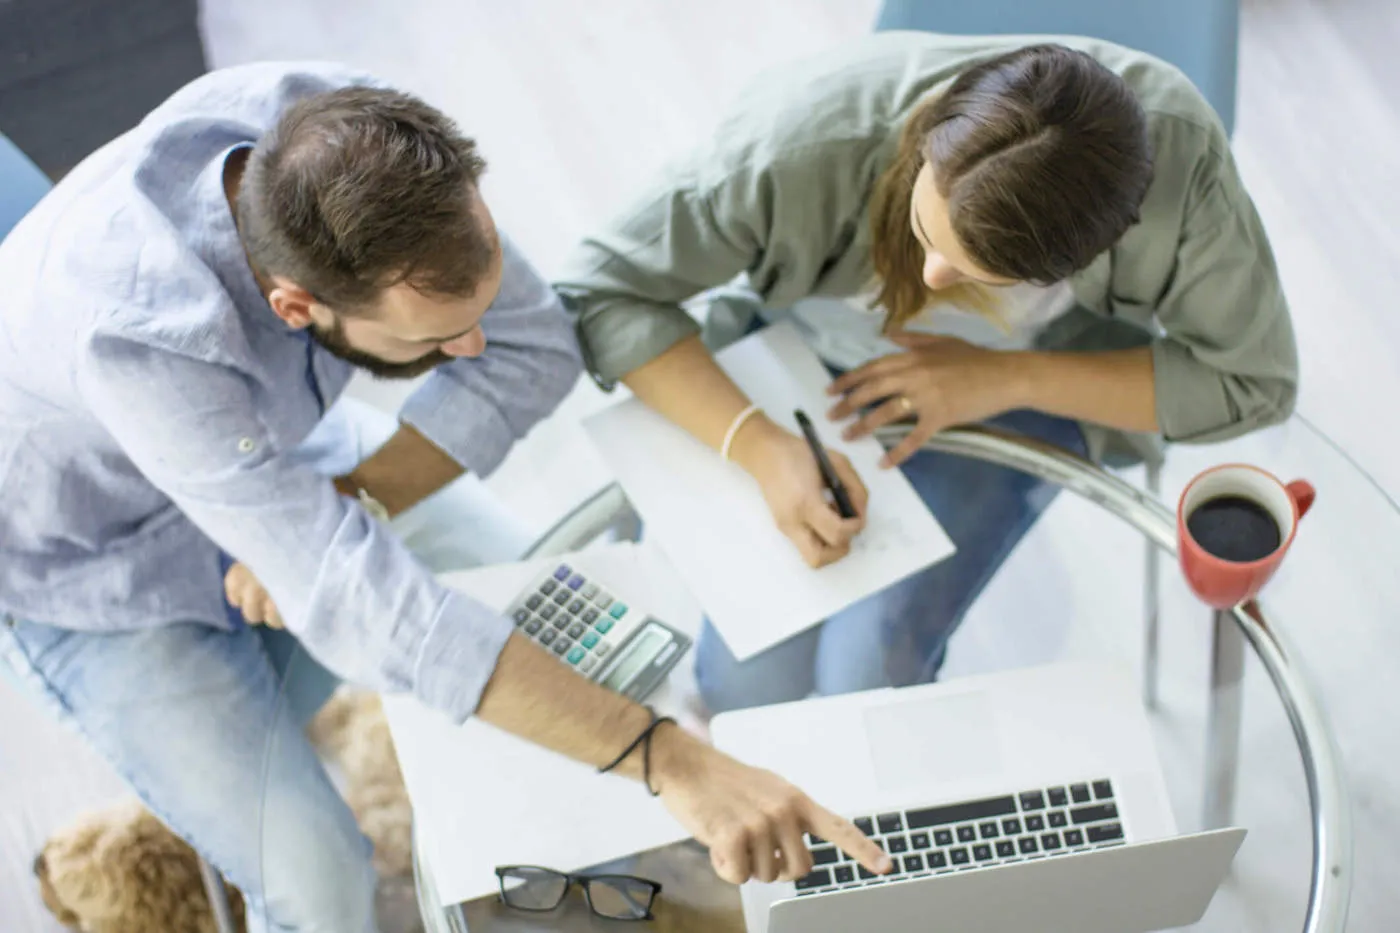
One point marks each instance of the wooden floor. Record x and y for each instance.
(574, 103)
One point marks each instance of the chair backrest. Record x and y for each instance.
(1201, 37)
(21, 185)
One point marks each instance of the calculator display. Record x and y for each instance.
(639, 654)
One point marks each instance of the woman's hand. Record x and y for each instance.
(247, 595)
(939, 382)
(787, 473)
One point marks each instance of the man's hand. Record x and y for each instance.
(751, 820)
(939, 382)
(791, 482)
(247, 595)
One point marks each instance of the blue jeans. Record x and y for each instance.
(205, 725)
(898, 636)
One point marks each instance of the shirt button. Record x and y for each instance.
(247, 445)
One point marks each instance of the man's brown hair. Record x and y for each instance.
(359, 189)
(1043, 158)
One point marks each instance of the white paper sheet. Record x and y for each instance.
(483, 798)
(712, 521)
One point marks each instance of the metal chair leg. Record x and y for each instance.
(1223, 725)
(218, 898)
(1152, 603)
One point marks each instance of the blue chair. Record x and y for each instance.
(1201, 37)
(21, 185)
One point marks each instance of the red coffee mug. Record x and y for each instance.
(1222, 583)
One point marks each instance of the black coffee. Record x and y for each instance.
(1234, 528)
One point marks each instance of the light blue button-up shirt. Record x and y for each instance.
(150, 398)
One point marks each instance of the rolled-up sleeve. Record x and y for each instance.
(353, 595)
(1227, 362)
(476, 409)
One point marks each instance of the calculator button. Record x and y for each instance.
(534, 601)
(589, 615)
(547, 636)
(562, 572)
(589, 590)
(533, 626)
(603, 599)
(561, 622)
(604, 626)
(590, 640)
(587, 664)
(575, 582)
(618, 610)
(561, 645)
(522, 615)
(548, 610)
(561, 597)
(548, 586)
(576, 606)
(576, 655)
(577, 629)
(602, 648)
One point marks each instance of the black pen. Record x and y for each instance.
(833, 482)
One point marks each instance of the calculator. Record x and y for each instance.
(590, 627)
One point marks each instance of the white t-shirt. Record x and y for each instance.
(846, 332)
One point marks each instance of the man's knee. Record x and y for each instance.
(316, 876)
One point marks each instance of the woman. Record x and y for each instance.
(1050, 238)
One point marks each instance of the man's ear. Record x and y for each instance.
(292, 303)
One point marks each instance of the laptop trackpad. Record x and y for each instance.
(935, 739)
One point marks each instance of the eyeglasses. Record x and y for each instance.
(614, 897)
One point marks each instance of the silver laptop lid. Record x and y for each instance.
(1127, 889)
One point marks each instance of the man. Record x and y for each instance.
(180, 315)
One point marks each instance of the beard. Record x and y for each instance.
(332, 340)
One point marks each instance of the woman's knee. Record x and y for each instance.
(780, 674)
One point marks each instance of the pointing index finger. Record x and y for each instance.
(848, 839)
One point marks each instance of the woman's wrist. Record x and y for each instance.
(752, 438)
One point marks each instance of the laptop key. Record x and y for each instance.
(897, 844)
(843, 874)
(1032, 800)
(1094, 814)
(958, 856)
(1058, 818)
(863, 873)
(1080, 793)
(1028, 845)
(1074, 837)
(967, 834)
(943, 837)
(913, 863)
(919, 841)
(1035, 824)
(864, 825)
(983, 852)
(1106, 833)
(1012, 826)
(1103, 790)
(1006, 848)
(1057, 796)
(960, 812)
(826, 855)
(889, 822)
(1050, 841)
(989, 830)
(937, 860)
(817, 879)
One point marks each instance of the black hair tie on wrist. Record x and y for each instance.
(644, 737)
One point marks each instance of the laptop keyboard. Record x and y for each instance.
(974, 834)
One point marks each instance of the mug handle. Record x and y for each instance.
(1303, 495)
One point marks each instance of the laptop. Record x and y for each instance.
(1026, 800)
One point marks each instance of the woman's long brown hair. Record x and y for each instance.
(1043, 158)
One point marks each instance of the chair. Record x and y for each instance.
(1201, 37)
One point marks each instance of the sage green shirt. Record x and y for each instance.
(781, 194)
